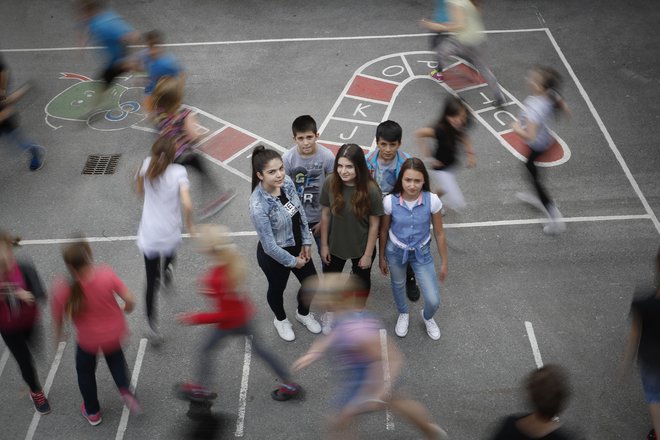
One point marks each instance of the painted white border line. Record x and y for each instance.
(49, 382)
(123, 422)
(606, 133)
(272, 40)
(535, 346)
(531, 221)
(3, 360)
(389, 421)
(242, 397)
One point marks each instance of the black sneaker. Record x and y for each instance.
(412, 291)
(651, 435)
(38, 156)
(40, 402)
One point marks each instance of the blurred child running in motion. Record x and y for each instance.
(355, 345)
(179, 123)
(19, 287)
(9, 120)
(532, 127)
(449, 132)
(89, 300)
(158, 64)
(232, 314)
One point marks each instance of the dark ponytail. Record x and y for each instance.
(260, 157)
(77, 256)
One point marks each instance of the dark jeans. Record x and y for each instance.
(17, 343)
(337, 265)
(217, 336)
(533, 171)
(278, 276)
(152, 266)
(86, 369)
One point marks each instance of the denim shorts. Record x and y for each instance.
(650, 382)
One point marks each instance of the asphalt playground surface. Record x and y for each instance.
(514, 298)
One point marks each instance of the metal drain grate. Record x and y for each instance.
(101, 164)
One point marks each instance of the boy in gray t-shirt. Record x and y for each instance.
(308, 163)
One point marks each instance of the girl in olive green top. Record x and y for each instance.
(351, 208)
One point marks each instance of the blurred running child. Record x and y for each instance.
(20, 286)
(352, 206)
(384, 164)
(284, 238)
(405, 240)
(466, 41)
(355, 347)
(88, 299)
(111, 31)
(644, 342)
(440, 15)
(157, 63)
(532, 127)
(166, 191)
(232, 314)
(9, 120)
(449, 132)
(180, 123)
(547, 393)
(307, 164)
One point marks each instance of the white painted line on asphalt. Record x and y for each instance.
(49, 382)
(3, 360)
(606, 133)
(534, 344)
(242, 397)
(243, 150)
(123, 422)
(533, 221)
(389, 420)
(354, 121)
(530, 221)
(273, 40)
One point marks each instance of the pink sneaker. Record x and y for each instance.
(437, 75)
(130, 401)
(93, 419)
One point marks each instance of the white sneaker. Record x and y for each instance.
(284, 329)
(556, 225)
(327, 321)
(431, 328)
(401, 328)
(309, 321)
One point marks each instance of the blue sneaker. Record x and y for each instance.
(38, 158)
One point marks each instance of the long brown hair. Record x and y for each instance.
(162, 155)
(360, 201)
(76, 256)
(168, 94)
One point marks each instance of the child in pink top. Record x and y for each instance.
(89, 300)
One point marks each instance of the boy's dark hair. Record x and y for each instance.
(303, 124)
(547, 390)
(389, 131)
(153, 37)
(90, 6)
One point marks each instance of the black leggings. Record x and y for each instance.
(113, 71)
(152, 266)
(278, 276)
(533, 171)
(86, 369)
(17, 343)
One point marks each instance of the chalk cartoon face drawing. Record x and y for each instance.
(118, 107)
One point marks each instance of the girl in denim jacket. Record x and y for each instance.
(405, 238)
(284, 238)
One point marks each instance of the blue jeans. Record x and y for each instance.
(424, 272)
